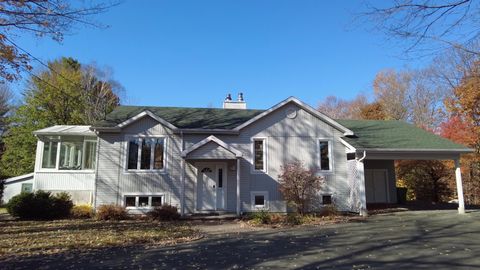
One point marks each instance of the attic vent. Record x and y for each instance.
(240, 103)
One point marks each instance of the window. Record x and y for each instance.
(90, 155)
(259, 199)
(69, 153)
(146, 154)
(130, 201)
(220, 178)
(27, 187)
(327, 199)
(49, 159)
(259, 155)
(325, 156)
(133, 154)
(158, 154)
(143, 201)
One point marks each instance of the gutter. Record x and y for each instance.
(465, 150)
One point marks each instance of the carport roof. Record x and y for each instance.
(395, 135)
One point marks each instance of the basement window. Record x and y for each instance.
(143, 201)
(259, 200)
(327, 199)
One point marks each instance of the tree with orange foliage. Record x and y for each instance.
(464, 127)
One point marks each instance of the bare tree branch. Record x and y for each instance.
(42, 18)
(428, 24)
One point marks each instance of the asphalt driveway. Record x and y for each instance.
(415, 240)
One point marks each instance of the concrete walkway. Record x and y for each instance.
(403, 240)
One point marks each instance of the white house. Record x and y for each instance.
(229, 159)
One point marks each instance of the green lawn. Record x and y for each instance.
(27, 238)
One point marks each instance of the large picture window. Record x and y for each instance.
(69, 153)
(259, 154)
(325, 155)
(146, 154)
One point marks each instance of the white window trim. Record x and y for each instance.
(57, 157)
(265, 155)
(330, 153)
(265, 199)
(137, 195)
(139, 160)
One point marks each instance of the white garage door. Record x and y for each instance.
(376, 186)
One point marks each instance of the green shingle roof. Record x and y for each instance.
(376, 134)
(369, 134)
(202, 118)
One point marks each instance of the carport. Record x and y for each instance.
(371, 153)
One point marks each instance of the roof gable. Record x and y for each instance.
(302, 105)
(212, 140)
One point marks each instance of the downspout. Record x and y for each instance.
(364, 156)
(362, 191)
(182, 208)
(97, 157)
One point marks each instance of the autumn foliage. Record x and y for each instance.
(299, 186)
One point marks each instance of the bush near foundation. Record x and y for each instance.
(82, 211)
(111, 212)
(40, 205)
(164, 213)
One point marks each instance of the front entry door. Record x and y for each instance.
(210, 186)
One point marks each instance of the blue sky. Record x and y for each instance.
(192, 53)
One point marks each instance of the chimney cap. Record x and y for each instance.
(229, 97)
(240, 97)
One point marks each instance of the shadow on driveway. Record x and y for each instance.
(417, 240)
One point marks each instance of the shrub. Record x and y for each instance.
(329, 210)
(261, 217)
(61, 205)
(111, 212)
(82, 211)
(299, 186)
(294, 219)
(164, 213)
(40, 205)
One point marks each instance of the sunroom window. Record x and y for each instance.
(49, 155)
(146, 154)
(69, 153)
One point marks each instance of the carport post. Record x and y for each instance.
(458, 178)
